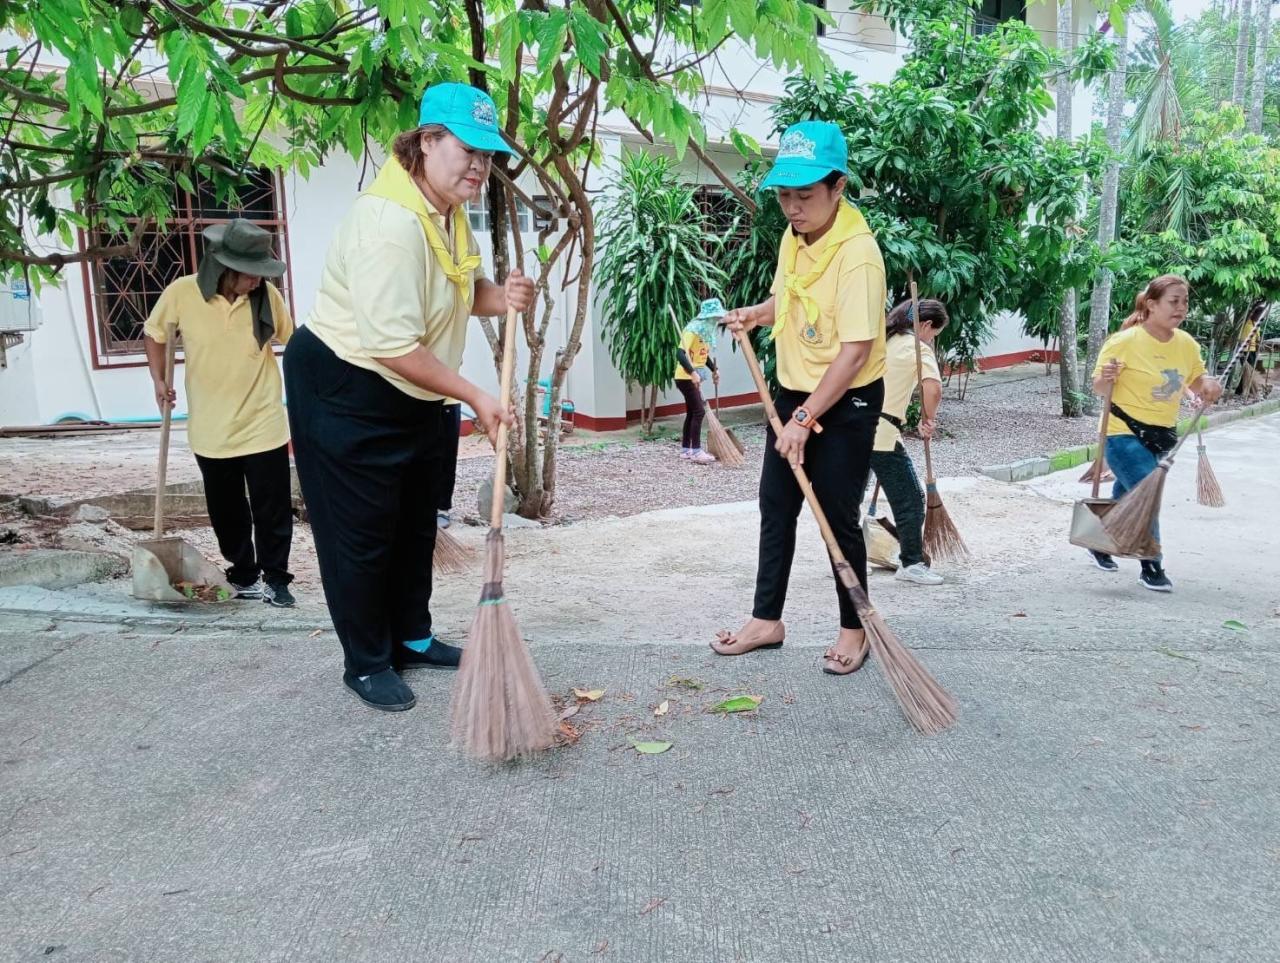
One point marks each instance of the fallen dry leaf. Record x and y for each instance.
(600, 947)
(570, 712)
(316, 634)
(653, 904)
(662, 709)
(568, 735)
(589, 695)
(1019, 615)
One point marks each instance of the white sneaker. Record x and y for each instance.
(919, 573)
(685, 453)
(701, 457)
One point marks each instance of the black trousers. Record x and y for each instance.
(694, 411)
(897, 476)
(254, 533)
(449, 478)
(369, 459)
(837, 461)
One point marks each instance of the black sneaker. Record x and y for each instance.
(1104, 561)
(278, 595)
(383, 690)
(1153, 577)
(253, 591)
(439, 655)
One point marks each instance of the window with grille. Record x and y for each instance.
(125, 289)
(992, 13)
(721, 211)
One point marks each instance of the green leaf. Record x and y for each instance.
(739, 704)
(553, 31)
(293, 23)
(1235, 625)
(650, 748)
(588, 40)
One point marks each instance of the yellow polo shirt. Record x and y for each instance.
(900, 383)
(1150, 384)
(233, 387)
(851, 296)
(382, 292)
(698, 352)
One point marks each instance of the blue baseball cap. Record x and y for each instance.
(467, 113)
(807, 153)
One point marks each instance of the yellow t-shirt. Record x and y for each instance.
(900, 383)
(233, 387)
(698, 352)
(850, 295)
(1150, 384)
(382, 292)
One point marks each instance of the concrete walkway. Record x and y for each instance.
(181, 789)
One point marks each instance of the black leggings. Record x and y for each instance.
(694, 410)
(897, 476)
(837, 461)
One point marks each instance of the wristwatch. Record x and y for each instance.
(804, 419)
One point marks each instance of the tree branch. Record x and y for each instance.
(93, 253)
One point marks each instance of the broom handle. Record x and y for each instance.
(1102, 437)
(828, 536)
(915, 329)
(162, 470)
(504, 400)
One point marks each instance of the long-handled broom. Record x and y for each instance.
(927, 706)
(1208, 491)
(1130, 521)
(733, 438)
(451, 555)
(500, 709)
(941, 537)
(719, 443)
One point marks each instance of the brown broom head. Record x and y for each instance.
(737, 442)
(1087, 477)
(941, 537)
(450, 554)
(1208, 491)
(720, 444)
(500, 709)
(927, 706)
(1129, 523)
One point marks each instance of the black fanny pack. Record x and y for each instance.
(896, 422)
(1157, 439)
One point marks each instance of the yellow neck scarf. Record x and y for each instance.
(394, 184)
(849, 223)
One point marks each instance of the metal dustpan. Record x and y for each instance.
(160, 565)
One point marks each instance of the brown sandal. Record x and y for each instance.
(725, 637)
(849, 664)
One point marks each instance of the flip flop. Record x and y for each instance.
(724, 636)
(848, 663)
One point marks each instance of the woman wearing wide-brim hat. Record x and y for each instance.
(367, 378)
(827, 314)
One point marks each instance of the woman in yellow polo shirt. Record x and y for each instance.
(1147, 363)
(367, 378)
(827, 316)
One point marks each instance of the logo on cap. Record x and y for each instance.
(482, 112)
(796, 144)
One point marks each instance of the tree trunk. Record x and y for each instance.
(1258, 93)
(1067, 327)
(1100, 301)
(1242, 51)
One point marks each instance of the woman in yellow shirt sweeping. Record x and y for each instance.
(1146, 364)
(367, 380)
(828, 326)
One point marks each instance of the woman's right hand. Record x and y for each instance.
(490, 416)
(740, 320)
(1111, 371)
(166, 397)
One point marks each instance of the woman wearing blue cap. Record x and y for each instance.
(693, 357)
(828, 325)
(367, 378)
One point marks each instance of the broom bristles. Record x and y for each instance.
(1208, 491)
(928, 707)
(720, 444)
(451, 555)
(500, 710)
(1129, 523)
(941, 537)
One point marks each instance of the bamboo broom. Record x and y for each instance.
(719, 443)
(729, 433)
(1208, 491)
(941, 537)
(927, 706)
(451, 555)
(499, 709)
(1131, 520)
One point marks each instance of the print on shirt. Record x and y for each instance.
(1171, 388)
